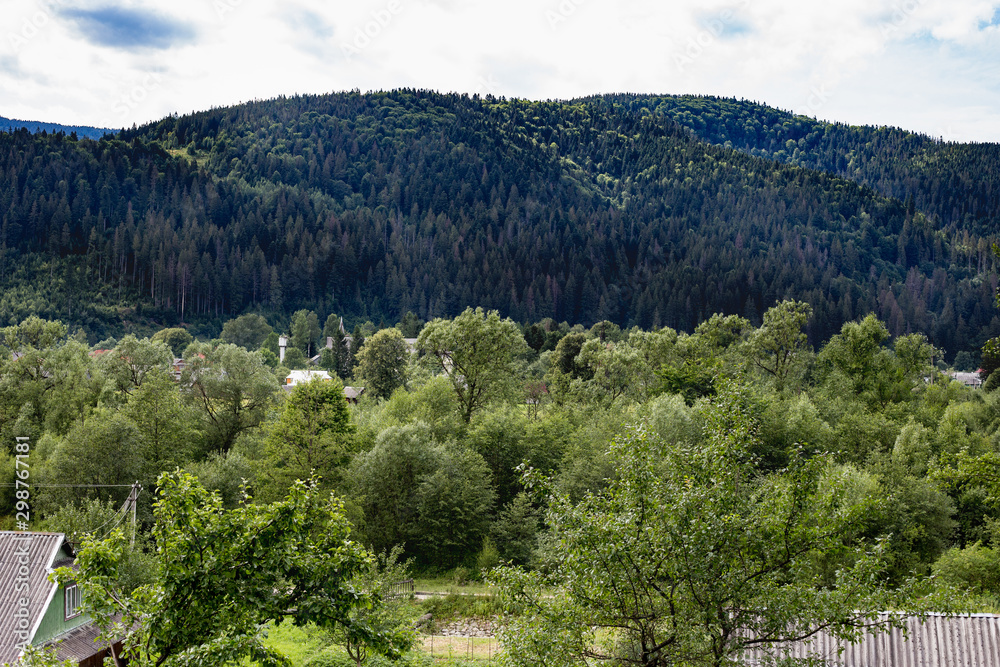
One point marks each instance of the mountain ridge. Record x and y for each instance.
(606, 208)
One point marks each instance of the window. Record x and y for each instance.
(72, 601)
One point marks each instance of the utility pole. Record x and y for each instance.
(133, 496)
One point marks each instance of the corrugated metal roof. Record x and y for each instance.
(25, 563)
(932, 640)
(78, 644)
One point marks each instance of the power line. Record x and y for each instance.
(73, 486)
(122, 512)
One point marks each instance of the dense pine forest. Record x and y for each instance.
(639, 210)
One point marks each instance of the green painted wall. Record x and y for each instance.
(53, 623)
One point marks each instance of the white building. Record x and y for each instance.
(297, 377)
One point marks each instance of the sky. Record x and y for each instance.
(931, 66)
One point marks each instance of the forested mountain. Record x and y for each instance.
(959, 184)
(606, 208)
(11, 124)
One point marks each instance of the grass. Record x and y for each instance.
(461, 648)
(446, 585)
(299, 643)
(448, 608)
(200, 157)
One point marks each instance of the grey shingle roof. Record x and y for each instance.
(32, 584)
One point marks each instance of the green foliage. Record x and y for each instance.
(607, 192)
(500, 437)
(975, 568)
(313, 436)
(94, 520)
(48, 388)
(248, 331)
(488, 557)
(410, 325)
(692, 380)
(305, 332)
(34, 333)
(617, 370)
(104, 449)
(381, 364)
(435, 500)
(385, 480)
(220, 575)
(224, 473)
(231, 388)
(454, 504)
(176, 339)
(295, 359)
(516, 529)
(132, 360)
(386, 617)
(476, 351)
(780, 343)
(719, 559)
(36, 656)
(873, 373)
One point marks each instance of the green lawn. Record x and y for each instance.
(445, 584)
(298, 643)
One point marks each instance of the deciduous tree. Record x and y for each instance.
(313, 435)
(476, 350)
(248, 331)
(693, 557)
(381, 363)
(231, 387)
(221, 575)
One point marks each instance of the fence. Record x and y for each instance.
(464, 648)
(400, 589)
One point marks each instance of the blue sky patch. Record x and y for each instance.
(11, 65)
(129, 28)
(994, 20)
(308, 21)
(725, 23)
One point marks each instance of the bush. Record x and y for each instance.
(454, 606)
(975, 568)
(488, 558)
(460, 576)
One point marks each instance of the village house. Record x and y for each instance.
(37, 611)
(352, 394)
(973, 379)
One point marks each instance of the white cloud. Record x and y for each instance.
(920, 64)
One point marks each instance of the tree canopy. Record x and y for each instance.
(692, 557)
(220, 575)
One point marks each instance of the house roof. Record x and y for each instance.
(78, 644)
(969, 379)
(930, 640)
(26, 559)
(353, 392)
